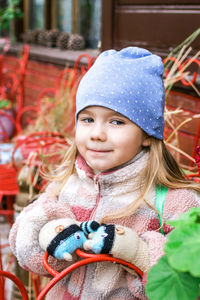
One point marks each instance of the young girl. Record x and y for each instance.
(115, 173)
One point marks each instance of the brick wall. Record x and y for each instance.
(39, 76)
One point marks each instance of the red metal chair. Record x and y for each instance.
(88, 259)
(8, 189)
(12, 84)
(8, 274)
(12, 87)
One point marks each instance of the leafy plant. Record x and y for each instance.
(177, 274)
(9, 13)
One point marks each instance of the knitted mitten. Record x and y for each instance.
(121, 242)
(61, 237)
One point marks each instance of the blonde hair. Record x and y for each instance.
(161, 169)
(65, 170)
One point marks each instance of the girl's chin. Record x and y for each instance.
(96, 167)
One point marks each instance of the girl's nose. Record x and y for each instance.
(98, 132)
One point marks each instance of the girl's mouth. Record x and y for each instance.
(99, 151)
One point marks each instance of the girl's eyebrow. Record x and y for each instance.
(116, 114)
(85, 111)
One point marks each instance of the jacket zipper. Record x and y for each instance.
(96, 182)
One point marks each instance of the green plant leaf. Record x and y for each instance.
(9, 12)
(191, 216)
(18, 13)
(165, 283)
(2, 11)
(4, 103)
(183, 248)
(15, 2)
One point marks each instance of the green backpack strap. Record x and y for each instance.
(161, 192)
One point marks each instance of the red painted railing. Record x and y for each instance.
(88, 259)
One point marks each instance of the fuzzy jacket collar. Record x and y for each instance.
(131, 170)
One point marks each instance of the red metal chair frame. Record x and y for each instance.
(12, 85)
(8, 188)
(88, 259)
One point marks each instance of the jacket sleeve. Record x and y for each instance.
(176, 203)
(24, 234)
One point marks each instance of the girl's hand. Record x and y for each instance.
(121, 242)
(62, 237)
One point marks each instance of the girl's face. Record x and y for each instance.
(107, 139)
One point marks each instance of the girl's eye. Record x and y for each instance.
(77, 236)
(87, 120)
(117, 122)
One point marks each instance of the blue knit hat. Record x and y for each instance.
(130, 82)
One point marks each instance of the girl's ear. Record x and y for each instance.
(147, 141)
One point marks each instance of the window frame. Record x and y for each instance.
(46, 16)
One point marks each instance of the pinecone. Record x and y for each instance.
(62, 41)
(76, 42)
(41, 38)
(51, 37)
(33, 35)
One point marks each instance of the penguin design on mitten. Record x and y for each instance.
(102, 240)
(61, 237)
